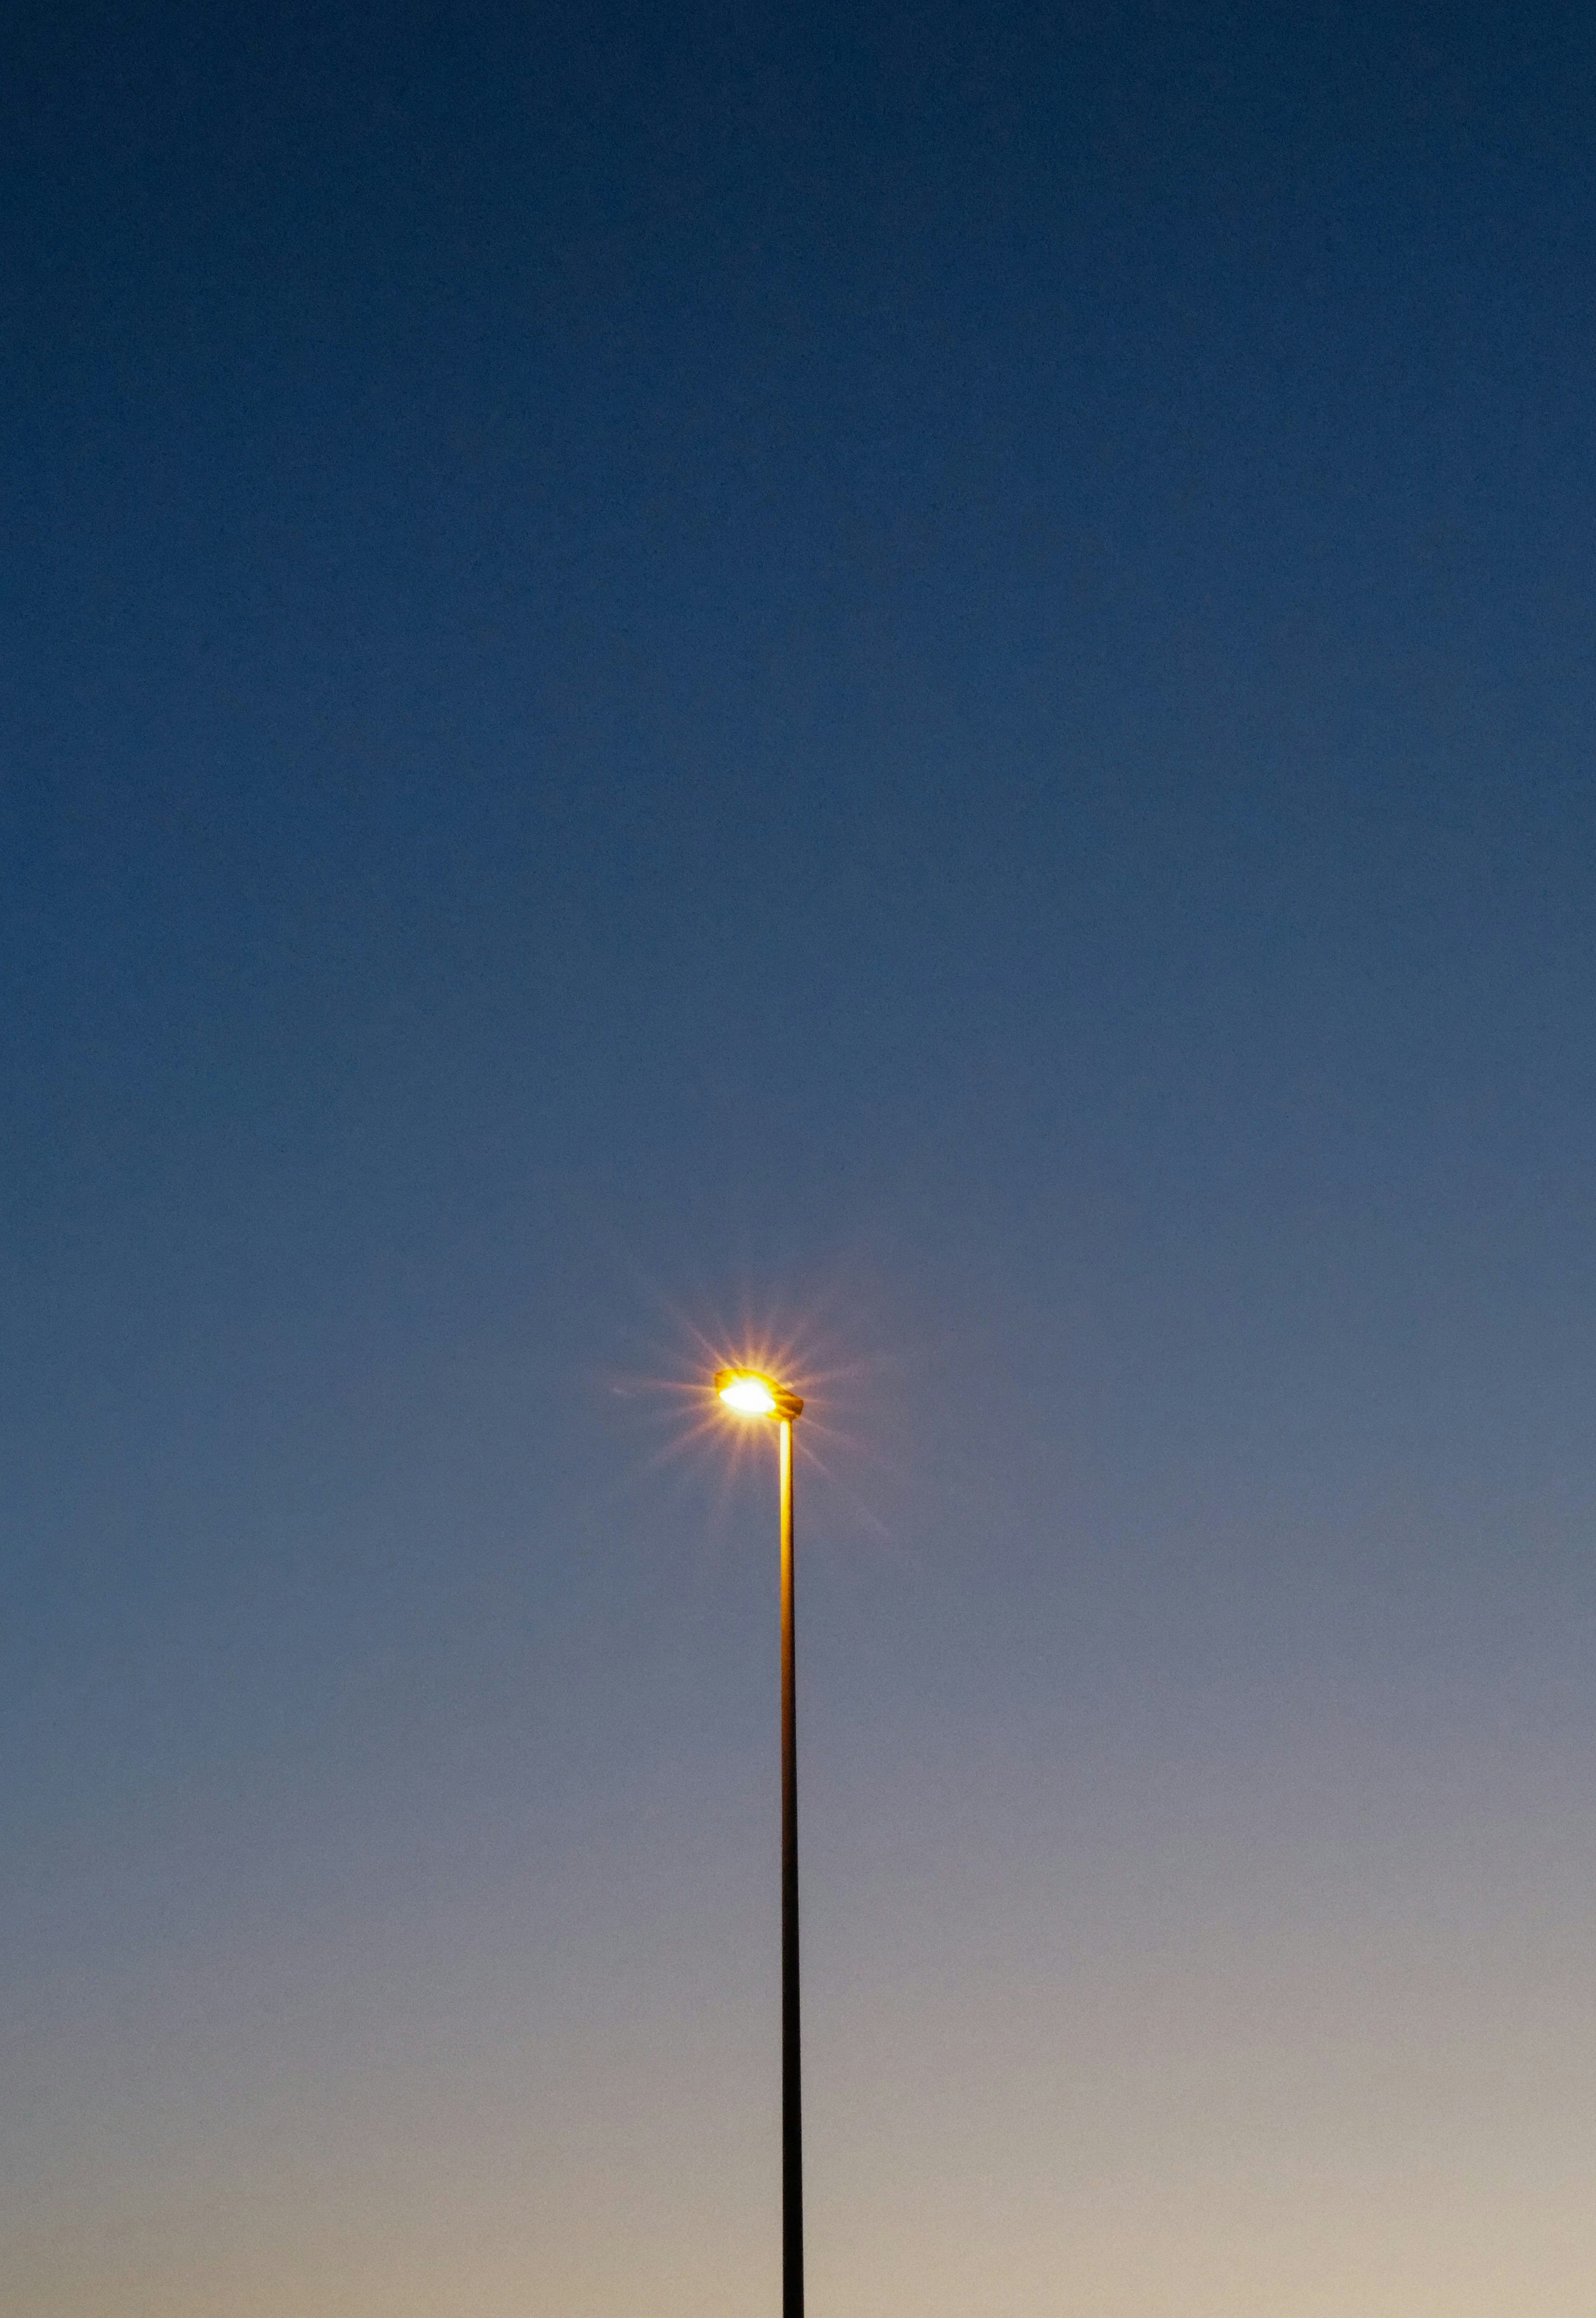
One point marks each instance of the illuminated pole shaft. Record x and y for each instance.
(792, 2109)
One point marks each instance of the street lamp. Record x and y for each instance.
(749, 1393)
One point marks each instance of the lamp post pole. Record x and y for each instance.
(792, 2054)
(748, 1392)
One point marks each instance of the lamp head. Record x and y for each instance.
(749, 1393)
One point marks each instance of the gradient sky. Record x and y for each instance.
(912, 684)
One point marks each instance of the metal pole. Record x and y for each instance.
(792, 2112)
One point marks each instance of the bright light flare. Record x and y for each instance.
(749, 1395)
(752, 1394)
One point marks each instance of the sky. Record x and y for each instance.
(906, 690)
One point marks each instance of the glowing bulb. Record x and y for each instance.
(749, 1395)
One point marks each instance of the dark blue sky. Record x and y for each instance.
(912, 682)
